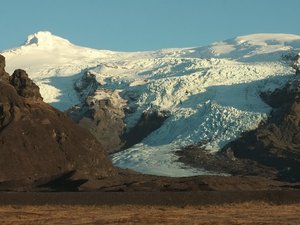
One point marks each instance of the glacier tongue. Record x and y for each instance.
(211, 93)
(211, 100)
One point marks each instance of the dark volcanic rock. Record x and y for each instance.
(25, 86)
(131, 182)
(223, 162)
(42, 150)
(3, 75)
(282, 98)
(272, 150)
(103, 119)
(276, 143)
(149, 122)
(37, 141)
(86, 85)
(2, 62)
(100, 112)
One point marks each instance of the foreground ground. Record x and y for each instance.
(239, 213)
(205, 207)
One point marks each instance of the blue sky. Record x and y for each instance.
(131, 25)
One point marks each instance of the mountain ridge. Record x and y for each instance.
(210, 93)
(42, 150)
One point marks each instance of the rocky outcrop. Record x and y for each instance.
(24, 86)
(223, 162)
(276, 143)
(39, 142)
(86, 85)
(102, 114)
(43, 150)
(271, 150)
(3, 75)
(150, 121)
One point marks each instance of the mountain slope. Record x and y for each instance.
(270, 150)
(209, 94)
(40, 142)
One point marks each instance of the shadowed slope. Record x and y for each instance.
(38, 141)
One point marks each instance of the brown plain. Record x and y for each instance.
(240, 213)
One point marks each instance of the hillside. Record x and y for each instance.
(39, 143)
(208, 95)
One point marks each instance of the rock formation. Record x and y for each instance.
(39, 142)
(25, 86)
(149, 122)
(271, 150)
(43, 150)
(101, 112)
(276, 142)
(3, 75)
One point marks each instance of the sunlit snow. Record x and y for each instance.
(211, 93)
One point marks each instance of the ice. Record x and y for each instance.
(211, 93)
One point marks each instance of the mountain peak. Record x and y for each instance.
(45, 39)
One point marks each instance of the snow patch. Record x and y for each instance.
(46, 39)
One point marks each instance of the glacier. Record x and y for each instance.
(211, 93)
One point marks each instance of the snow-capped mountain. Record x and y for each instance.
(211, 93)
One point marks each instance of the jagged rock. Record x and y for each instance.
(103, 117)
(282, 97)
(271, 150)
(150, 121)
(3, 75)
(38, 142)
(276, 142)
(2, 64)
(25, 86)
(86, 85)
(101, 112)
(9, 104)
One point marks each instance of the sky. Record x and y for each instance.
(137, 25)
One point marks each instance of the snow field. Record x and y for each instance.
(211, 93)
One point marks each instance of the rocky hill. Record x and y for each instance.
(276, 142)
(207, 94)
(271, 150)
(40, 142)
(43, 150)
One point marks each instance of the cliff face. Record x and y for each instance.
(271, 150)
(3, 75)
(38, 141)
(24, 86)
(101, 112)
(276, 143)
